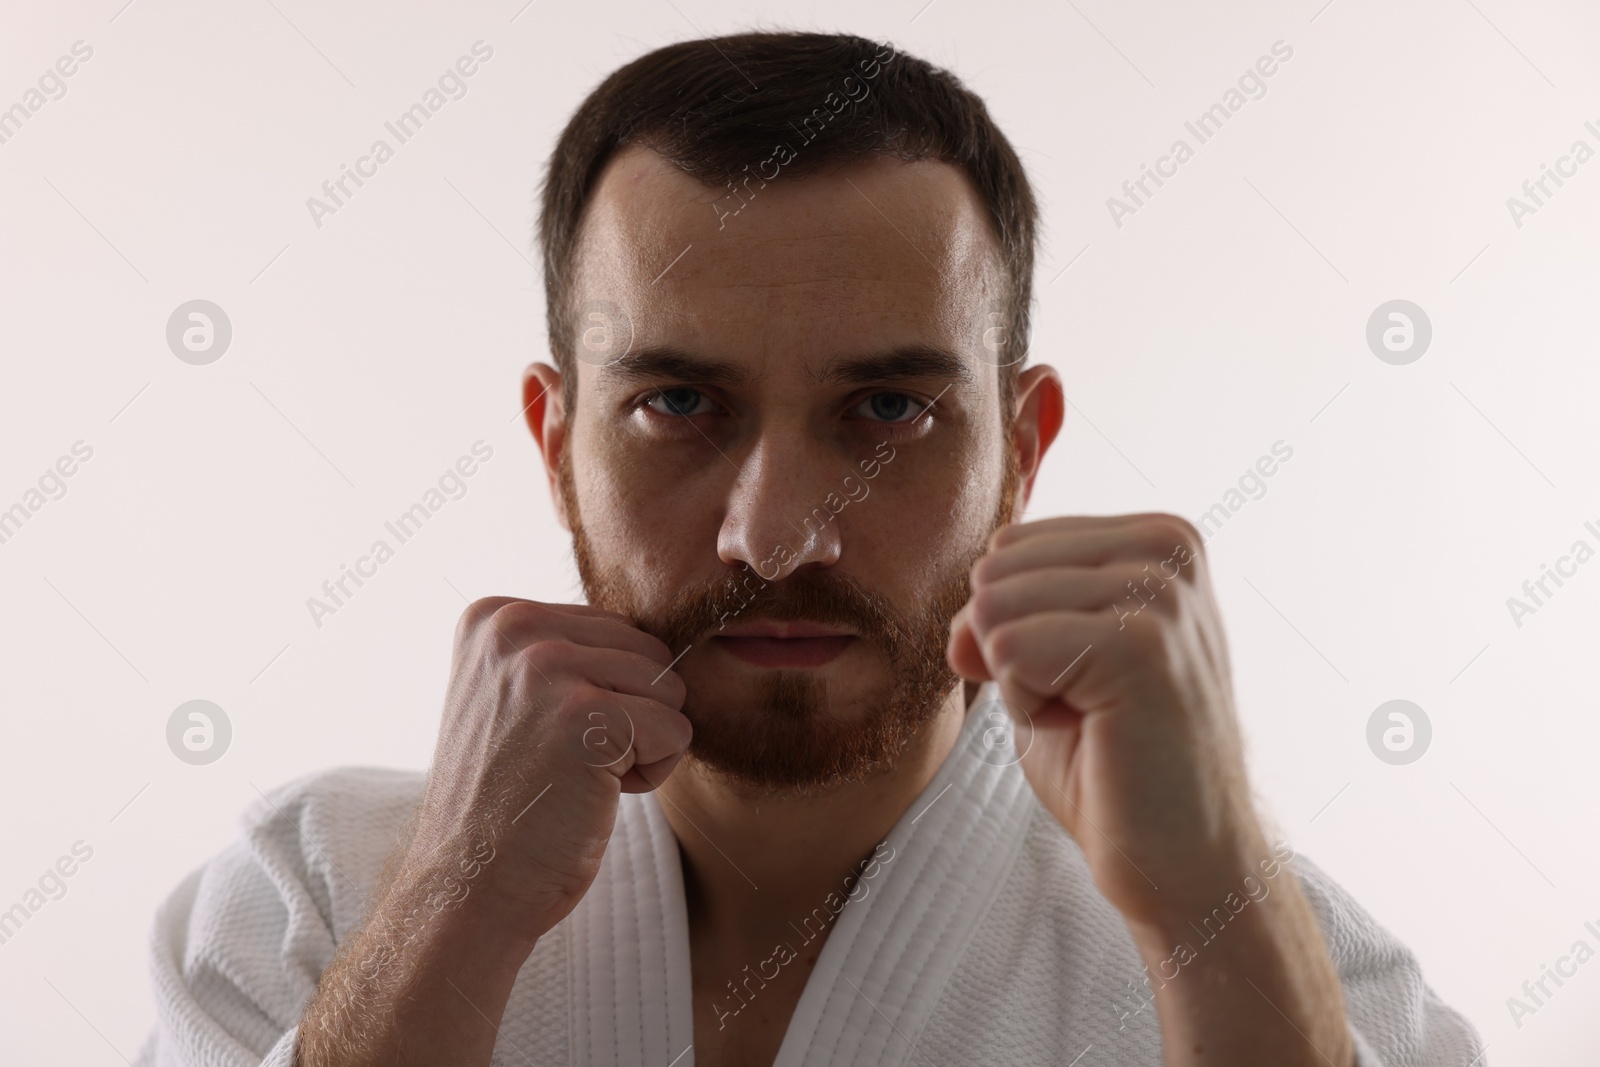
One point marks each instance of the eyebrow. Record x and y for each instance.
(898, 364)
(664, 361)
(902, 363)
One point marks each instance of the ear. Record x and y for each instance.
(542, 406)
(1041, 409)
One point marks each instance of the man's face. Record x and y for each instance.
(788, 471)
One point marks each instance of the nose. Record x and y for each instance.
(777, 518)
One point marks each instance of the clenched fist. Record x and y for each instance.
(1107, 646)
(551, 711)
(1106, 643)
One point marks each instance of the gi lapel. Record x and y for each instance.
(892, 951)
(886, 961)
(630, 994)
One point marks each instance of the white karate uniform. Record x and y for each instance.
(981, 939)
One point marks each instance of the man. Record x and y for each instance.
(840, 764)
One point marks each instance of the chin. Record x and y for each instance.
(795, 733)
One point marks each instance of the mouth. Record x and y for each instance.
(770, 643)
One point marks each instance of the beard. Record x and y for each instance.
(793, 740)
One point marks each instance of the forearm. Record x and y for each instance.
(1261, 990)
(418, 984)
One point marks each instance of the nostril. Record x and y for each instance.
(776, 547)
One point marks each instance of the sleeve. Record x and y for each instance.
(237, 948)
(1395, 1019)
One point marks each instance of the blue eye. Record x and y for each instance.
(892, 407)
(679, 401)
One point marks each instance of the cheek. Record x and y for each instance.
(922, 523)
(642, 519)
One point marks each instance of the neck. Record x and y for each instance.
(754, 862)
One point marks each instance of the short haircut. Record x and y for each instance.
(717, 106)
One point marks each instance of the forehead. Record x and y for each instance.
(868, 255)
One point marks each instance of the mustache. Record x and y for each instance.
(698, 613)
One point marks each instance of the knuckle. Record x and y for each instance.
(518, 612)
(1002, 644)
(658, 646)
(475, 614)
(578, 725)
(1182, 601)
(986, 605)
(543, 659)
(1146, 635)
(580, 699)
(493, 620)
(669, 689)
(1137, 587)
(1179, 533)
(985, 568)
(1127, 573)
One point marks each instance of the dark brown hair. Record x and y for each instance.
(714, 107)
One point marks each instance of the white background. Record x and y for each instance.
(369, 353)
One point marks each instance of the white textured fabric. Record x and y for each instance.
(980, 939)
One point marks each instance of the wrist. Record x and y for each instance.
(1256, 984)
(1209, 888)
(457, 913)
(415, 982)
(475, 887)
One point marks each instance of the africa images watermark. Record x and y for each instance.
(852, 90)
(451, 85)
(51, 885)
(1252, 481)
(448, 888)
(52, 485)
(1579, 154)
(51, 86)
(444, 887)
(1122, 610)
(1255, 890)
(1207, 125)
(811, 927)
(1580, 553)
(404, 527)
(1531, 1000)
(855, 491)
(199, 732)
